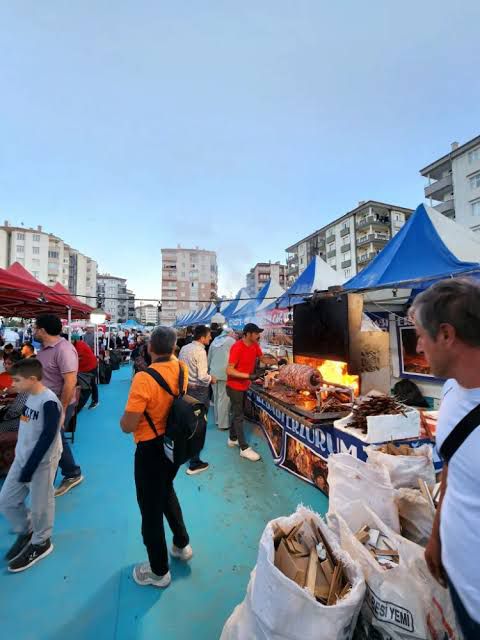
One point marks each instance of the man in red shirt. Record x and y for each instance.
(240, 371)
(87, 374)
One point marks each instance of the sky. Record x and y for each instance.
(126, 127)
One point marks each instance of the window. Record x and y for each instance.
(398, 217)
(347, 255)
(36, 237)
(475, 208)
(20, 236)
(475, 181)
(474, 155)
(36, 251)
(346, 225)
(53, 254)
(347, 273)
(36, 274)
(20, 248)
(331, 246)
(35, 262)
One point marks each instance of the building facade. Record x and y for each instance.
(262, 272)
(131, 305)
(189, 277)
(147, 314)
(113, 297)
(49, 259)
(349, 243)
(454, 183)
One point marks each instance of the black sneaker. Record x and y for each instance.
(21, 543)
(67, 484)
(30, 556)
(197, 467)
(93, 405)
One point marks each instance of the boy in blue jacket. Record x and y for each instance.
(37, 453)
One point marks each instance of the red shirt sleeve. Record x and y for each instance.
(259, 350)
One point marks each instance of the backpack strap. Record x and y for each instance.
(181, 381)
(161, 383)
(460, 433)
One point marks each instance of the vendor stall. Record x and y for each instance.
(306, 417)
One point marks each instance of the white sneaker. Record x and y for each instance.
(143, 575)
(182, 554)
(250, 454)
(232, 443)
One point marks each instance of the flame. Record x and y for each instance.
(333, 371)
(304, 393)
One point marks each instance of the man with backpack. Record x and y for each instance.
(447, 321)
(146, 416)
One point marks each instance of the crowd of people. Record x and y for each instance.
(446, 319)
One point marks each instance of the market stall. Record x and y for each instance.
(308, 417)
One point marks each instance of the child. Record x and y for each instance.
(33, 471)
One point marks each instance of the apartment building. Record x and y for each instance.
(189, 277)
(147, 314)
(131, 305)
(113, 297)
(454, 183)
(349, 243)
(49, 259)
(262, 272)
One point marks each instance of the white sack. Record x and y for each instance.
(403, 603)
(416, 515)
(350, 479)
(406, 470)
(276, 608)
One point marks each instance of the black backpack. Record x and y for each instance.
(186, 423)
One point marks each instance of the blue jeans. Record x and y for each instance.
(470, 628)
(67, 462)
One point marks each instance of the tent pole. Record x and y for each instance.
(69, 321)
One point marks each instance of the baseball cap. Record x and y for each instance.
(250, 327)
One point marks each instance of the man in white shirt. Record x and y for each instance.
(199, 380)
(217, 365)
(447, 321)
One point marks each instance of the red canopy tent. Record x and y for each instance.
(23, 296)
(72, 300)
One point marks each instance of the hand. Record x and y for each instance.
(62, 419)
(213, 380)
(433, 558)
(252, 376)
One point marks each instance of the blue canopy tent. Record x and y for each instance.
(428, 248)
(241, 299)
(253, 308)
(132, 324)
(207, 314)
(318, 276)
(185, 320)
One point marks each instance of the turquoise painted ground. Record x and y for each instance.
(84, 589)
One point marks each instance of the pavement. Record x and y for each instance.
(84, 590)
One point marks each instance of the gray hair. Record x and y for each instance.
(163, 340)
(455, 302)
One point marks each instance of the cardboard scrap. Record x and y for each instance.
(304, 556)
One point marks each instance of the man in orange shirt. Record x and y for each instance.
(154, 473)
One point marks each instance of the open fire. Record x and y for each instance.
(332, 371)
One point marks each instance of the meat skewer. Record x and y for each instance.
(300, 377)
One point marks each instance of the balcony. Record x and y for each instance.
(367, 257)
(346, 264)
(331, 254)
(330, 238)
(381, 238)
(345, 231)
(379, 221)
(447, 208)
(346, 247)
(440, 188)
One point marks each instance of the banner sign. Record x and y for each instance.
(302, 447)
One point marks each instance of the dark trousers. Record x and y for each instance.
(93, 390)
(202, 394)
(237, 431)
(156, 497)
(470, 628)
(67, 463)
